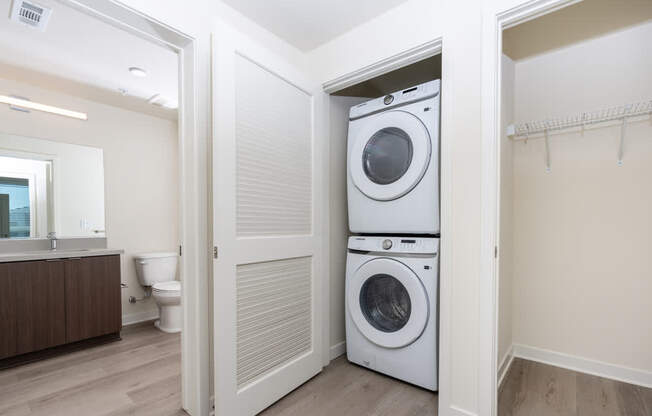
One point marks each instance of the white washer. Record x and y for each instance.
(393, 163)
(391, 307)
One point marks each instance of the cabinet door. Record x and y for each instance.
(32, 310)
(7, 312)
(93, 305)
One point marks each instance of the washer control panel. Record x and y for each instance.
(408, 245)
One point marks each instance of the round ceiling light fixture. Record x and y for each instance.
(138, 72)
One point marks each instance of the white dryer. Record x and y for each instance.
(393, 163)
(391, 307)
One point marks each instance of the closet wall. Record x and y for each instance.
(339, 220)
(582, 234)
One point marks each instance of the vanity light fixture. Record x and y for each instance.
(138, 72)
(19, 102)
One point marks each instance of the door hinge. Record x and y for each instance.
(495, 252)
(180, 251)
(214, 252)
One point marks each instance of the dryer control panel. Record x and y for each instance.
(407, 245)
(406, 96)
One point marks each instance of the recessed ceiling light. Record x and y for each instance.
(138, 72)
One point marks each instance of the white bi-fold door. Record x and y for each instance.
(268, 196)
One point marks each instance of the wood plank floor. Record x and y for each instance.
(139, 375)
(535, 389)
(344, 389)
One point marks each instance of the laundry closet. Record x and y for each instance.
(414, 90)
(575, 244)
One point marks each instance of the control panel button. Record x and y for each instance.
(387, 244)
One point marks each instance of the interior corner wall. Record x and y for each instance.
(403, 27)
(339, 224)
(506, 237)
(583, 232)
(140, 174)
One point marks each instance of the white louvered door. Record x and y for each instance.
(267, 203)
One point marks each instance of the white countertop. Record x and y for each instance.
(57, 254)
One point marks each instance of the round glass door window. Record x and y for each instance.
(385, 303)
(387, 155)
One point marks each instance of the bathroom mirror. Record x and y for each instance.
(50, 187)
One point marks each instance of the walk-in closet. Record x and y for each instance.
(575, 245)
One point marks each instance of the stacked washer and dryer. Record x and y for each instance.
(392, 264)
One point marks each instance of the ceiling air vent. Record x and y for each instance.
(31, 14)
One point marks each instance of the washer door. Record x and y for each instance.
(388, 303)
(390, 155)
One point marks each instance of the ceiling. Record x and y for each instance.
(581, 21)
(307, 24)
(83, 56)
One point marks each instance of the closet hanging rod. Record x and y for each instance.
(524, 130)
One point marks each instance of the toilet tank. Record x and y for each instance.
(156, 267)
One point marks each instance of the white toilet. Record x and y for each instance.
(158, 270)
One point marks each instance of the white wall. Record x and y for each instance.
(582, 233)
(506, 236)
(339, 221)
(408, 25)
(140, 174)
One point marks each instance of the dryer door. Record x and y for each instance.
(390, 155)
(388, 303)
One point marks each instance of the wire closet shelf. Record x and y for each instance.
(532, 128)
(523, 131)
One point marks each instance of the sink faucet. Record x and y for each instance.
(52, 236)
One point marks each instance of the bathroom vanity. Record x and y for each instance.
(57, 300)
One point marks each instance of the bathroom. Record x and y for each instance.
(90, 187)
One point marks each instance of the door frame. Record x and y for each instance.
(195, 364)
(495, 20)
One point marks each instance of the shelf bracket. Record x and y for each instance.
(545, 132)
(621, 148)
(511, 131)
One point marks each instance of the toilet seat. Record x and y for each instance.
(167, 288)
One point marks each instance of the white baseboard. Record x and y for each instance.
(585, 365)
(338, 349)
(135, 318)
(505, 365)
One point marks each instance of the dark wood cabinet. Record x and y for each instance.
(32, 306)
(93, 305)
(49, 303)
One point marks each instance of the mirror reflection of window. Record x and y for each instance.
(61, 188)
(15, 208)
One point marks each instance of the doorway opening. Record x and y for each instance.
(340, 102)
(573, 147)
(131, 77)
